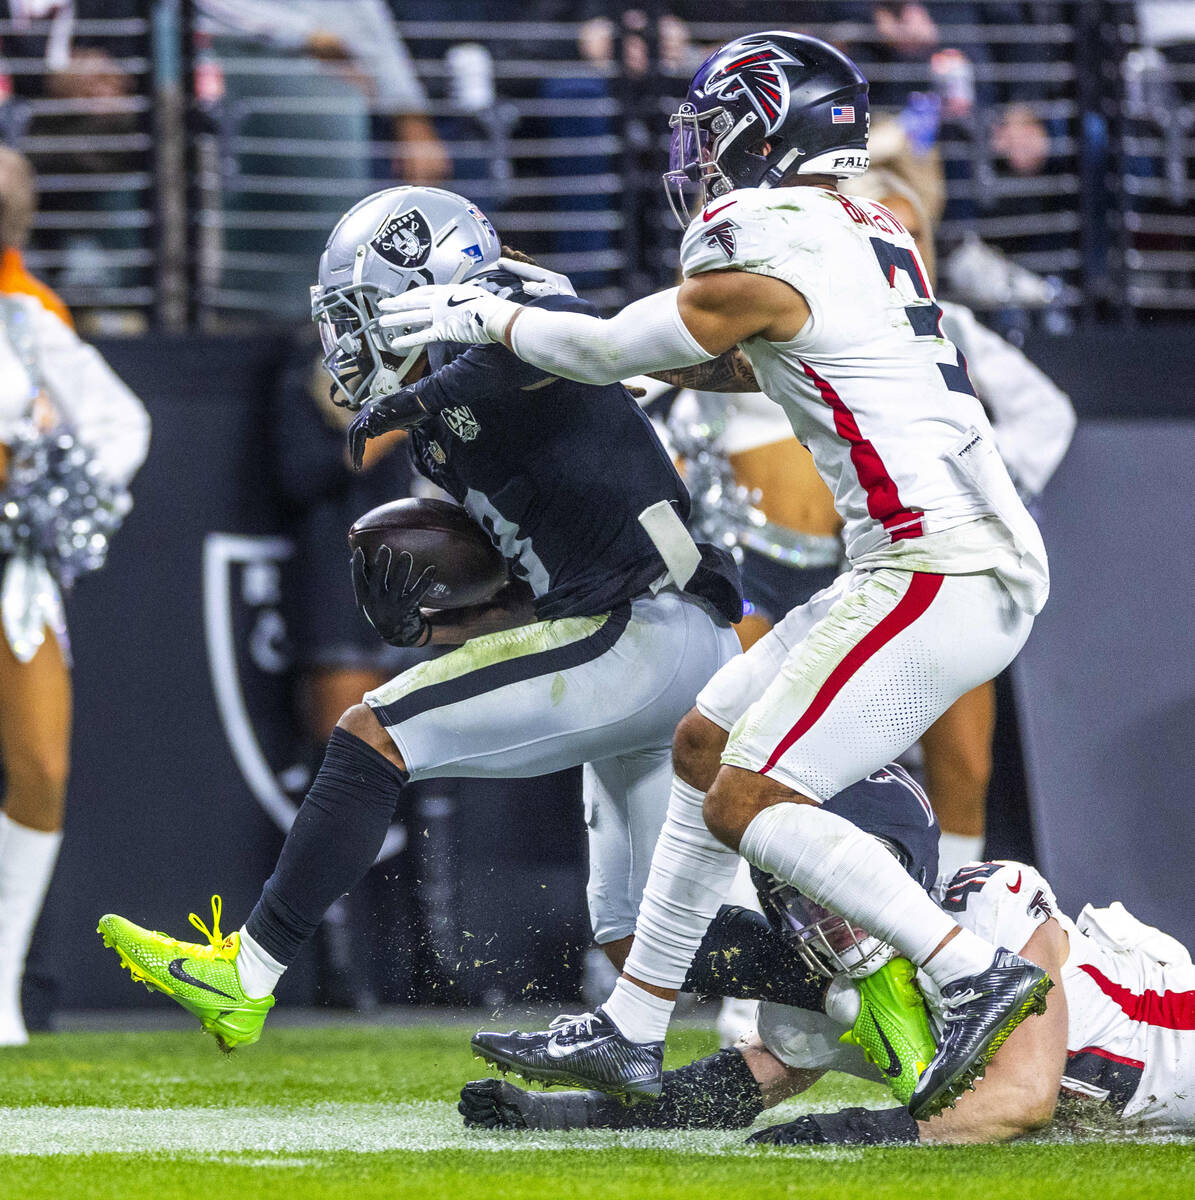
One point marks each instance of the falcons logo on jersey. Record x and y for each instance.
(721, 237)
(757, 76)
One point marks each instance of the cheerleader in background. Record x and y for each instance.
(49, 379)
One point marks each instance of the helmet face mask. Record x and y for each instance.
(693, 175)
(827, 943)
(764, 107)
(383, 246)
(348, 332)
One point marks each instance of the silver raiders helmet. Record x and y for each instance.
(384, 245)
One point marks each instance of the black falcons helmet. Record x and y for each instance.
(808, 100)
(891, 806)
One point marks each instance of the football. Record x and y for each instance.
(469, 569)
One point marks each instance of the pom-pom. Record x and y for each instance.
(58, 505)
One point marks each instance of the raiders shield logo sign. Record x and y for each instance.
(404, 239)
(247, 653)
(462, 422)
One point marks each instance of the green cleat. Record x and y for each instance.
(203, 979)
(892, 1028)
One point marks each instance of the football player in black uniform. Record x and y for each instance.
(628, 618)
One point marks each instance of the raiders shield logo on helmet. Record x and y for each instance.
(404, 239)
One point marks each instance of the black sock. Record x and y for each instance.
(742, 955)
(718, 1092)
(337, 834)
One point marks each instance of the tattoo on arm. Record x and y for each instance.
(729, 372)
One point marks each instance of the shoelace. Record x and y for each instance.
(573, 1027)
(217, 941)
(952, 1005)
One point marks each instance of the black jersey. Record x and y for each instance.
(557, 472)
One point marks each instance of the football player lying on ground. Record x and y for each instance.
(1117, 1042)
(821, 302)
(742, 956)
(630, 617)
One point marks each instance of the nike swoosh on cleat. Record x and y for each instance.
(1014, 888)
(180, 973)
(893, 1069)
(709, 216)
(556, 1050)
(451, 303)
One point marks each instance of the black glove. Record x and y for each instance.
(402, 410)
(389, 594)
(496, 1104)
(850, 1127)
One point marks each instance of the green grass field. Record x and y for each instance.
(370, 1112)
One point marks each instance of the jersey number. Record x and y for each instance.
(924, 318)
(965, 883)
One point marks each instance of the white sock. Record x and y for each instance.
(965, 954)
(640, 1016)
(957, 849)
(691, 873)
(26, 864)
(3, 830)
(258, 970)
(849, 872)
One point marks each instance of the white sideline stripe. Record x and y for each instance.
(230, 1133)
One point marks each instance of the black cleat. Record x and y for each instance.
(586, 1051)
(496, 1104)
(979, 1012)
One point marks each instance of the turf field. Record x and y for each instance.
(370, 1112)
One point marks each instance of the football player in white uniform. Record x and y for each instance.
(1117, 1042)
(827, 300)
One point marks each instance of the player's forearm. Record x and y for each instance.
(729, 372)
(645, 337)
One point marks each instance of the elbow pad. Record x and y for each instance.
(648, 335)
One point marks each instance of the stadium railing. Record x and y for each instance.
(83, 113)
(210, 209)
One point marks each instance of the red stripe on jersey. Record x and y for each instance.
(921, 591)
(1165, 1010)
(883, 500)
(1116, 1058)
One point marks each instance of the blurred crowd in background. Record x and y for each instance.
(193, 155)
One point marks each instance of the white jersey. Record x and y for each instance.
(1032, 416)
(872, 387)
(1130, 992)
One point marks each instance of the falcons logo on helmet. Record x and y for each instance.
(721, 237)
(755, 74)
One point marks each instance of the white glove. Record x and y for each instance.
(446, 312)
(537, 280)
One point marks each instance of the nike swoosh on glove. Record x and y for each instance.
(461, 312)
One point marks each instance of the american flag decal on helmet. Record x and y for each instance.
(842, 114)
(721, 237)
(756, 74)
